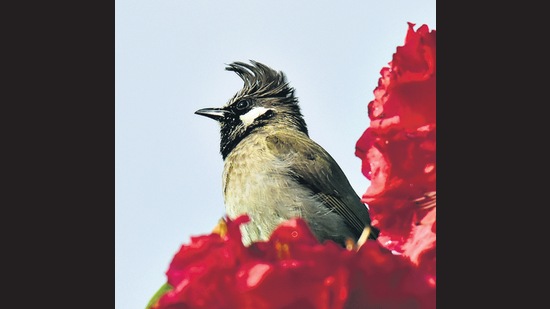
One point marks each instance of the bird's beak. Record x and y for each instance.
(214, 113)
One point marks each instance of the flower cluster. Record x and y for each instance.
(292, 269)
(398, 151)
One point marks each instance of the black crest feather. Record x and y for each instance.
(261, 81)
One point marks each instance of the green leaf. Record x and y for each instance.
(163, 289)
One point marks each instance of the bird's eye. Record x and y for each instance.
(243, 104)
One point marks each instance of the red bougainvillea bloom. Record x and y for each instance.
(290, 270)
(398, 151)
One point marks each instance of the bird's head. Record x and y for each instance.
(265, 99)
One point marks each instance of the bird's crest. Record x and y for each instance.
(261, 81)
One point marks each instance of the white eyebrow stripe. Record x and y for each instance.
(254, 113)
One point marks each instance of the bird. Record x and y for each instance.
(273, 171)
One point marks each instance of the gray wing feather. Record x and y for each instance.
(313, 167)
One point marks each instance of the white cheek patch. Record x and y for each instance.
(254, 113)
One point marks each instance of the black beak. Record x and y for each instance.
(214, 113)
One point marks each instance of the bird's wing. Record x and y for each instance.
(313, 167)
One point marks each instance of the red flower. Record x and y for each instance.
(385, 280)
(398, 151)
(202, 272)
(290, 270)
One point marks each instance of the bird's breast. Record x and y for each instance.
(256, 182)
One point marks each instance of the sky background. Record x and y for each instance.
(170, 58)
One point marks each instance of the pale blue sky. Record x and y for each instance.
(170, 57)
